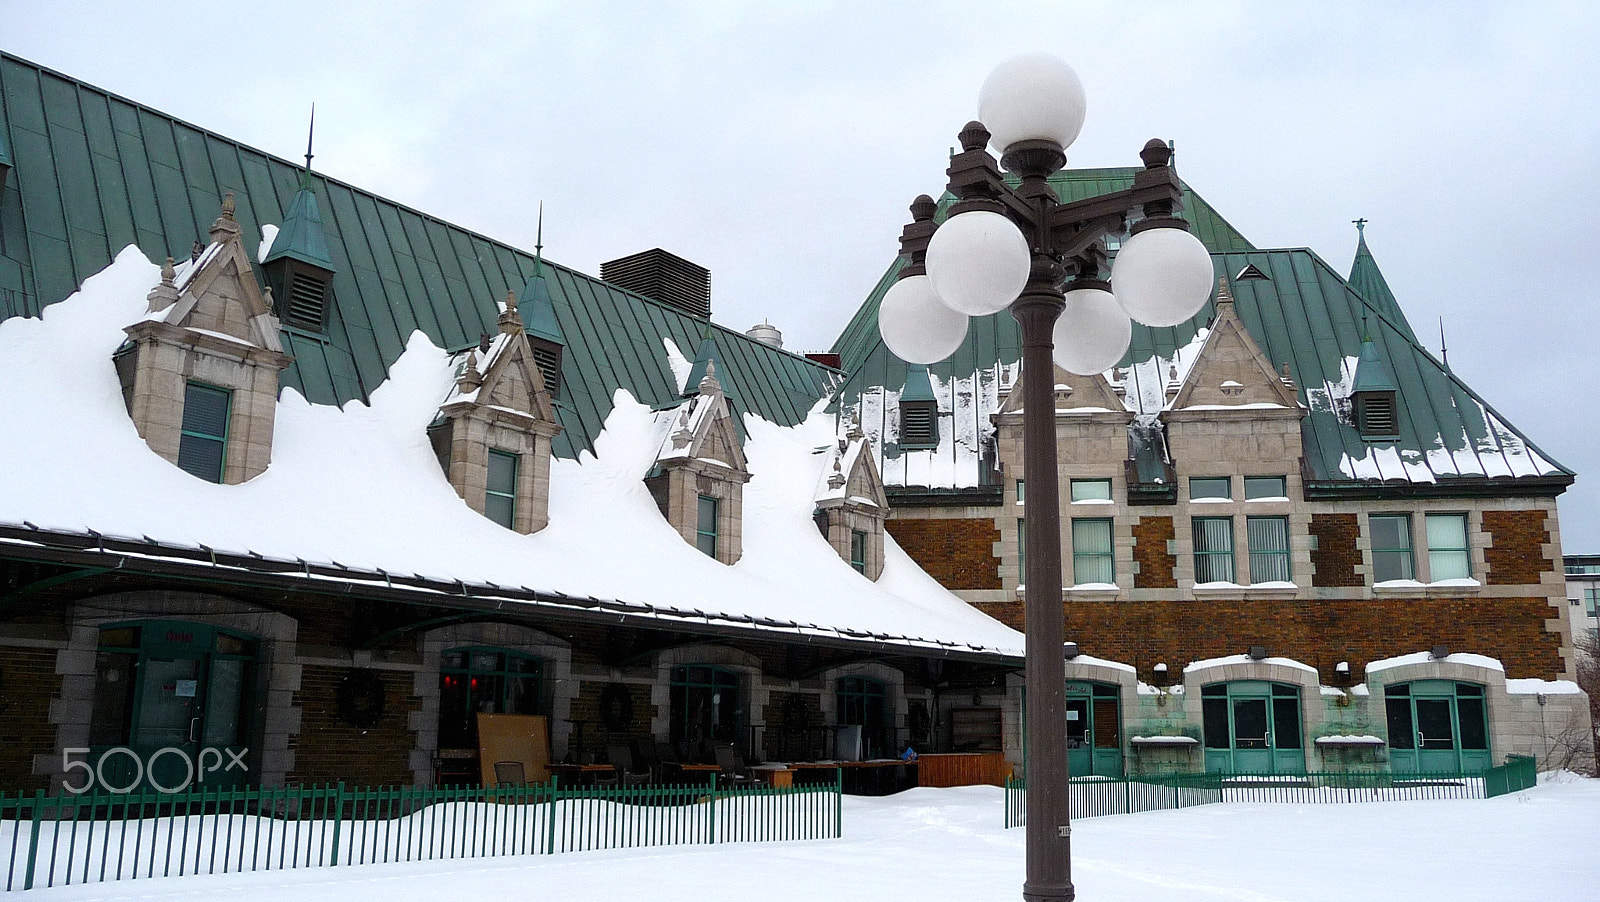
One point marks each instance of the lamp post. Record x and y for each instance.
(1020, 247)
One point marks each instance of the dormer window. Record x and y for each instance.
(203, 439)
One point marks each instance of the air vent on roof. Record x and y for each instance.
(919, 424)
(664, 277)
(1250, 272)
(1375, 415)
(547, 356)
(307, 302)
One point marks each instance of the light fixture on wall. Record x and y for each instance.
(1439, 652)
(1069, 650)
(1257, 652)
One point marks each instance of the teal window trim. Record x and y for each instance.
(1591, 600)
(204, 429)
(1022, 551)
(477, 679)
(1021, 492)
(864, 702)
(1091, 490)
(1093, 551)
(700, 696)
(858, 550)
(705, 533)
(1213, 550)
(1391, 547)
(1449, 556)
(1258, 487)
(1269, 549)
(1213, 487)
(500, 494)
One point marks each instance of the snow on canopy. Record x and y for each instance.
(360, 485)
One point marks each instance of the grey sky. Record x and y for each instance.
(779, 143)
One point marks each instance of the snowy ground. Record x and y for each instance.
(937, 844)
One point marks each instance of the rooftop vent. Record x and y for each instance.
(767, 334)
(663, 277)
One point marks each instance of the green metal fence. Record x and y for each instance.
(1096, 796)
(1519, 772)
(66, 839)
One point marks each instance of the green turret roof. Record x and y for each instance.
(538, 310)
(918, 387)
(1368, 281)
(1372, 371)
(301, 236)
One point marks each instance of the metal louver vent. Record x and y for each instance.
(919, 424)
(548, 358)
(307, 302)
(1377, 416)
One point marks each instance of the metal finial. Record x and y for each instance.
(1361, 227)
(310, 132)
(538, 243)
(1444, 351)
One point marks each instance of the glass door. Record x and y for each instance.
(1437, 726)
(1252, 727)
(1094, 730)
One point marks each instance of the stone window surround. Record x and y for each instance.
(754, 692)
(432, 644)
(1313, 714)
(894, 693)
(280, 720)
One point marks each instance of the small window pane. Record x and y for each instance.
(1214, 712)
(706, 526)
(1447, 547)
(1391, 547)
(858, 550)
(203, 440)
(1091, 490)
(1474, 728)
(500, 498)
(1022, 551)
(1400, 729)
(1210, 487)
(1265, 487)
(1269, 549)
(1285, 721)
(1093, 560)
(1213, 549)
(1021, 493)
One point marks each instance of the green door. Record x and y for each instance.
(1094, 730)
(1437, 727)
(171, 707)
(1252, 727)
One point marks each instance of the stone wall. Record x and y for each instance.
(329, 748)
(1337, 557)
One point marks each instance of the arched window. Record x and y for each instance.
(704, 708)
(1253, 727)
(1437, 726)
(864, 702)
(475, 680)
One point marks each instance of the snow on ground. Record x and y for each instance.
(938, 844)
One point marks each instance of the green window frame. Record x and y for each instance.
(1093, 555)
(1213, 550)
(203, 437)
(1591, 600)
(864, 702)
(1091, 490)
(1022, 551)
(477, 680)
(500, 495)
(703, 706)
(1268, 539)
(1260, 487)
(1211, 488)
(705, 531)
(858, 550)
(1448, 554)
(1391, 547)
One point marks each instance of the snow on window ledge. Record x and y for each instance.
(1226, 588)
(1365, 740)
(1394, 587)
(1165, 740)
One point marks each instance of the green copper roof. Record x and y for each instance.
(95, 173)
(1372, 371)
(1368, 280)
(918, 386)
(538, 310)
(301, 236)
(5, 154)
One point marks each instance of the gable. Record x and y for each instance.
(1231, 371)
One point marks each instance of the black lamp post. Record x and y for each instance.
(974, 269)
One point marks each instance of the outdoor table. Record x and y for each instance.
(581, 774)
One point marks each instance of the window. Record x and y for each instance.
(475, 681)
(1213, 549)
(858, 550)
(1447, 547)
(1092, 557)
(704, 707)
(705, 533)
(1269, 549)
(919, 424)
(1252, 727)
(500, 498)
(1211, 487)
(863, 703)
(1022, 551)
(203, 441)
(1258, 487)
(1391, 547)
(1022, 498)
(1591, 600)
(1091, 490)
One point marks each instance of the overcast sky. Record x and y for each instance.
(778, 144)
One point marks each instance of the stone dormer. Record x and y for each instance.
(200, 371)
(494, 429)
(851, 505)
(1234, 406)
(700, 470)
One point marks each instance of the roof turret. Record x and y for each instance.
(301, 236)
(1372, 370)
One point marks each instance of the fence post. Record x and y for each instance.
(338, 820)
(33, 841)
(711, 815)
(551, 819)
(838, 803)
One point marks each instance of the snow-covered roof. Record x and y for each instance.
(359, 488)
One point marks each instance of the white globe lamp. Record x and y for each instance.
(1093, 332)
(1162, 277)
(978, 262)
(915, 326)
(1033, 97)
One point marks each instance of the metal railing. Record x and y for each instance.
(1096, 796)
(66, 839)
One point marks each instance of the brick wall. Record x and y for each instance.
(329, 749)
(1320, 633)
(1514, 555)
(959, 553)
(1336, 555)
(28, 682)
(1150, 536)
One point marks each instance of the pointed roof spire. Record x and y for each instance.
(1444, 350)
(535, 300)
(310, 133)
(1372, 370)
(301, 237)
